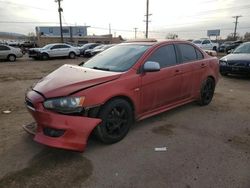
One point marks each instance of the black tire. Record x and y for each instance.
(207, 91)
(11, 58)
(214, 48)
(117, 116)
(45, 56)
(223, 73)
(72, 55)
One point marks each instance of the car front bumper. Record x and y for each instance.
(235, 69)
(60, 131)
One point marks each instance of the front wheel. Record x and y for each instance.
(12, 58)
(207, 91)
(117, 116)
(45, 56)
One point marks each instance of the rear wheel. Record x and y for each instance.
(117, 116)
(214, 48)
(72, 55)
(12, 58)
(207, 91)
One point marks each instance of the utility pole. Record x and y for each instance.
(110, 29)
(147, 16)
(60, 17)
(236, 23)
(135, 31)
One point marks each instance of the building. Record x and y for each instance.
(72, 34)
(68, 31)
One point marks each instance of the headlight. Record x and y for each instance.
(223, 62)
(65, 105)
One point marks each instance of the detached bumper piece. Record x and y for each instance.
(30, 128)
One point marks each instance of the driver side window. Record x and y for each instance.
(165, 56)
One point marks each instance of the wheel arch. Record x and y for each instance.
(10, 55)
(124, 97)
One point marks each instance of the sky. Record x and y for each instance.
(189, 19)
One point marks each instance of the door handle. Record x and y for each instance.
(177, 71)
(203, 65)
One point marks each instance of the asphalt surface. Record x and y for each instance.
(206, 147)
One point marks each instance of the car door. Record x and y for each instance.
(64, 50)
(4, 52)
(193, 68)
(190, 67)
(55, 51)
(162, 87)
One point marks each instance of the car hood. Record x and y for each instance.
(237, 57)
(69, 79)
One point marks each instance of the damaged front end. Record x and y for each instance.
(58, 127)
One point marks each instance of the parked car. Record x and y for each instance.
(54, 50)
(129, 82)
(206, 44)
(233, 46)
(87, 46)
(87, 53)
(96, 51)
(9, 53)
(223, 46)
(27, 44)
(238, 62)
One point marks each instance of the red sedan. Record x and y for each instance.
(126, 83)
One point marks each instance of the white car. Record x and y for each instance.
(10, 53)
(54, 50)
(206, 44)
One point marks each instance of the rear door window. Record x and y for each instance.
(56, 47)
(4, 48)
(187, 52)
(165, 56)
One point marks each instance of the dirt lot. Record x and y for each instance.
(206, 146)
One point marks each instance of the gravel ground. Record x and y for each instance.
(206, 146)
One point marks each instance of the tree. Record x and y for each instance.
(247, 36)
(230, 37)
(171, 36)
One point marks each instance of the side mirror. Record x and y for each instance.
(230, 51)
(82, 63)
(151, 66)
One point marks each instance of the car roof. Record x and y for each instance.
(158, 42)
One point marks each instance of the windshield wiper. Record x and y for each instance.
(100, 68)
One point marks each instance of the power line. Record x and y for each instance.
(23, 5)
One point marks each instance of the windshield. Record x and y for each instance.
(47, 46)
(197, 41)
(118, 58)
(244, 48)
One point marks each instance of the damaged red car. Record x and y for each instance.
(126, 83)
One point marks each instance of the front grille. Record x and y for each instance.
(53, 132)
(237, 64)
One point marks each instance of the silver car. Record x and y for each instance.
(9, 53)
(54, 50)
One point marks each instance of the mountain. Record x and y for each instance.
(12, 35)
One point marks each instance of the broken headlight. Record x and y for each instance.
(65, 105)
